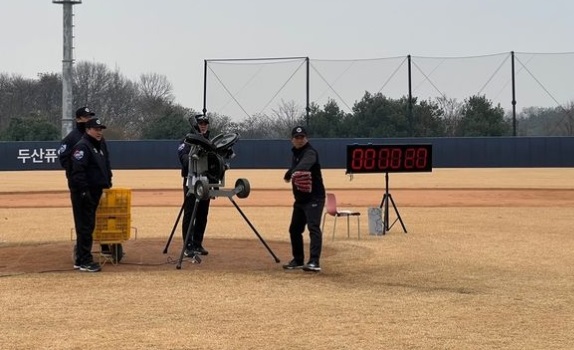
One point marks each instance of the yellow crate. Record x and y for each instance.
(113, 217)
(115, 201)
(112, 228)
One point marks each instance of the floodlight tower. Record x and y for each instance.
(67, 63)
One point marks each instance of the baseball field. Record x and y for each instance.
(487, 263)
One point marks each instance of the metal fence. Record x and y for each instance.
(516, 81)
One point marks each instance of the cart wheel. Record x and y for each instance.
(106, 249)
(244, 188)
(117, 253)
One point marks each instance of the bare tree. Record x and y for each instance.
(258, 126)
(6, 99)
(91, 82)
(452, 113)
(286, 117)
(121, 107)
(48, 99)
(219, 124)
(276, 125)
(567, 119)
(153, 87)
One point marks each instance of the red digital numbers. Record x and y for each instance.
(383, 158)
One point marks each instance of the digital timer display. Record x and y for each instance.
(389, 158)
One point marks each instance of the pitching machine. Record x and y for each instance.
(208, 161)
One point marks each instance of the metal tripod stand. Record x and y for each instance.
(206, 161)
(385, 203)
(204, 191)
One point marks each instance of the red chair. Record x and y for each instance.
(331, 209)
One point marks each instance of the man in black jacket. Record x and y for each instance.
(198, 229)
(83, 114)
(309, 192)
(90, 174)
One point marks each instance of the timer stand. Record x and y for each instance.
(405, 158)
(387, 197)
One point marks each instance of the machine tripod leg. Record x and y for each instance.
(174, 226)
(195, 258)
(254, 230)
(202, 189)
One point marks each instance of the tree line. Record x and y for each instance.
(30, 110)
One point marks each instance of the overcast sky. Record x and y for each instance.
(173, 37)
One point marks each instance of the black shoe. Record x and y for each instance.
(90, 267)
(189, 253)
(199, 250)
(293, 265)
(312, 266)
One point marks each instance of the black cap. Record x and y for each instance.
(95, 123)
(201, 119)
(298, 131)
(84, 112)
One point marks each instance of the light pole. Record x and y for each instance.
(67, 63)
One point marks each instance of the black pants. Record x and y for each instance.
(84, 209)
(306, 214)
(198, 229)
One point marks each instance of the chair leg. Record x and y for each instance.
(348, 227)
(334, 227)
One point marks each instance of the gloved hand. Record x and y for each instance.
(303, 181)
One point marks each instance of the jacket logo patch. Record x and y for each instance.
(62, 149)
(79, 154)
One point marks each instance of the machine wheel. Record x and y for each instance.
(201, 190)
(243, 187)
(224, 141)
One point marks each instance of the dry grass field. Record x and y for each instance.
(487, 263)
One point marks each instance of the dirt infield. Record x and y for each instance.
(444, 187)
(354, 197)
(451, 193)
(143, 255)
(56, 256)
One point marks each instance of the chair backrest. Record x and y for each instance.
(331, 205)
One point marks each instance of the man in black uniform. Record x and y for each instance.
(198, 227)
(83, 114)
(309, 192)
(90, 174)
